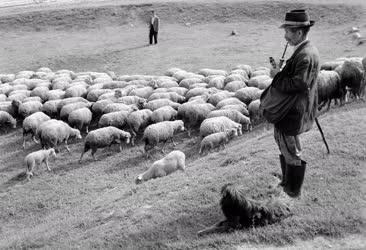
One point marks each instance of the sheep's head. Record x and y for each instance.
(239, 129)
(127, 136)
(13, 122)
(52, 152)
(76, 133)
(231, 133)
(180, 125)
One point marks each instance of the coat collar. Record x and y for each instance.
(298, 49)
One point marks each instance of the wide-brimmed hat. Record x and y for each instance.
(297, 18)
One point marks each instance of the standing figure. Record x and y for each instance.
(154, 27)
(290, 102)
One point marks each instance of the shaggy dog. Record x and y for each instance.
(241, 212)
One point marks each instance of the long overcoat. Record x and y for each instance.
(298, 78)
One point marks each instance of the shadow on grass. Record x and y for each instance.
(16, 179)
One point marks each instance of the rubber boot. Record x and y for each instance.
(283, 168)
(295, 178)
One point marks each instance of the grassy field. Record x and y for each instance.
(97, 204)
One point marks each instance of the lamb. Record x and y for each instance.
(31, 123)
(234, 115)
(165, 113)
(116, 119)
(216, 140)
(138, 120)
(155, 104)
(103, 137)
(161, 132)
(329, 88)
(7, 119)
(172, 162)
(80, 118)
(37, 158)
(218, 124)
(54, 132)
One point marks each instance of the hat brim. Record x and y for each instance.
(297, 26)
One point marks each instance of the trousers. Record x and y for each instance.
(153, 34)
(289, 147)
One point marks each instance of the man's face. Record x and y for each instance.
(292, 36)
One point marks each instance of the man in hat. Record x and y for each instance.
(297, 82)
(154, 27)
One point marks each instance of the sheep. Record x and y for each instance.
(167, 95)
(37, 158)
(94, 94)
(208, 72)
(260, 81)
(161, 132)
(172, 162)
(248, 94)
(55, 94)
(351, 72)
(235, 77)
(217, 82)
(199, 85)
(171, 71)
(186, 83)
(194, 113)
(4, 78)
(27, 108)
(179, 90)
(31, 123)
(167, 84)
(54, 132)
(216, 140)
(229, 101)
(214, 99)
(331, 65)
(218, 124)
(242, 72)
(158, 103)
(70, 100)
(9, 108)
(24, 74)
(103, 137)
(129, 100)
(80, 118)
(115, 85)
(329, 88)
(76, 91)
(6, 89)
(245, 67)
(50, 108)
(234, 86)
(3, 97)
(68, 108)
(234, 115)
(7, 119)
(114, 107)
(143, 92)
(255, 114)
(165, 113)
(116, 119)
(197, 91)
(18, 96)
(138, 120)
(239, 107)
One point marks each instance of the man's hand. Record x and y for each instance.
(274, 71)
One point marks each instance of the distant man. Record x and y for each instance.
(291, 100)
(154, 27)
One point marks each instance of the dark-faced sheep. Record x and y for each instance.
(172, 162)
(161, 132)
(329, 88)
(104, 137)
(36, 159)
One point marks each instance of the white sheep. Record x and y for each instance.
(3, 97)
(186, 83)
(7, 119)
(54, 132)
(116, 119)
(143, 92)
(234, 115)
(55, 94)
(208, 72)
(245, 67)
(31, 123)
(229, 101)
(76, 91)
(155, 104)
(167, 95)
(36, 159)
(214, 99)
(216, 140)
(33, 99)
(40, 92)
(172, 162)
(138, 120)
(235, 77)
(80, 118)
(103, 137)
(248, 94)
(255, 114)
(234, 86)
(114, 107)
(165, 113)
(8, 107)
(27, 108)
(239, 107)
(94, 94)
(179, 90)
(161, 132)
(217, 82)
(50, 108)
(260, 81)
(218, 124)
(99, 106)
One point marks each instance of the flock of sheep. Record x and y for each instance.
(54, 107)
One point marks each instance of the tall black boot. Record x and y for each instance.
(283, 168)
(295, 178)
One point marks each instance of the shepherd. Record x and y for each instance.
(154, 28)
(290, 102)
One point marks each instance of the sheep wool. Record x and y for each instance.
(217, 140)
(36, 159)
(172, 162)
(80, 118)
(31, 123)
(234, 115)
(116, 119)
(165, 113)
(7, 119)
(218, 124)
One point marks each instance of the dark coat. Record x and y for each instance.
(298, 78)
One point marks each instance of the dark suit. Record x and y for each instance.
(154, 29)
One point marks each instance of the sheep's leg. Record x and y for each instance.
(93, 153)
(329, 104)
(87, 129)
(174, 144)
(120, 147)
(23, 142)
(48, 167)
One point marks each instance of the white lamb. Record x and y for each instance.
(217, 140)
(172, 162)
(37, 158)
